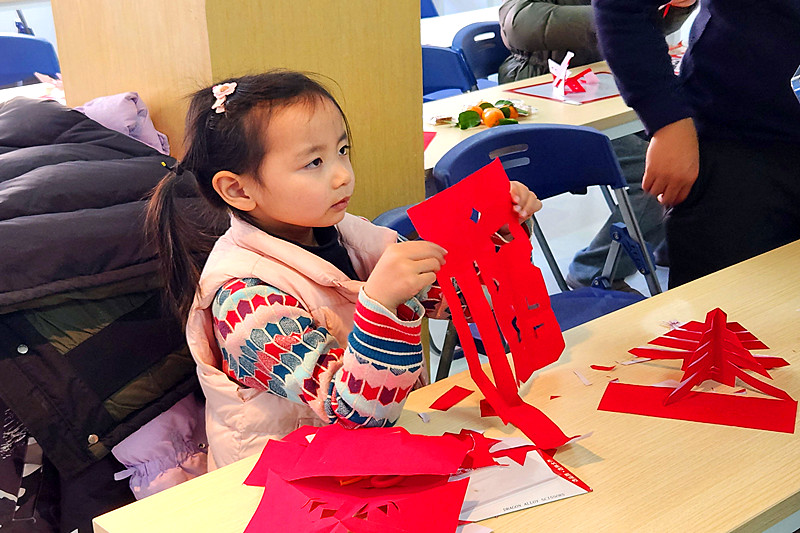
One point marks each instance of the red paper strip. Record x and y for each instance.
(450, 398)
(712, 408)
(554, 397)
(603, 368)
(487, 409)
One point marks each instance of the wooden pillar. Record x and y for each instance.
(166, 50)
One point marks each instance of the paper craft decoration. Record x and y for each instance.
(711, 350)
(332, 479)
(463, 219)
(563, 83)
(560, 73)
(604, 88)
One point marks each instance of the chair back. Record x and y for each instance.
(550, 159)
(427, 9)
(444, 68)
(482, 47)
(21, 55)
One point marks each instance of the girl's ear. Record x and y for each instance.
(233, 189)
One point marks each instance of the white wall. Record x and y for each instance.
(446, 7)
(37, 14)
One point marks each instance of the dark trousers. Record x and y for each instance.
(746, 201)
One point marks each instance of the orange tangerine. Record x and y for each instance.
(512, 111)
(478, 110)
(492, 116)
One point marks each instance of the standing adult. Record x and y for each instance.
(538, 30)
(725, 148)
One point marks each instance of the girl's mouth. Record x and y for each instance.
(341, 205)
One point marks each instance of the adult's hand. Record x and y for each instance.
(673, 162)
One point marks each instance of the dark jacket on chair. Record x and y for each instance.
(87, 353)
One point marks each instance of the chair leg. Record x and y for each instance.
(448, 349)
(636, 233)
(548, 256)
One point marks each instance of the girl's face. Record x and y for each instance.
(306, 179)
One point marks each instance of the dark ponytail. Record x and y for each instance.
(184, 231)
(233, 140)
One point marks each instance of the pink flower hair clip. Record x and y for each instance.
(221, 92)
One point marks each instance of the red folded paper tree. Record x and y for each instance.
(464, 219)
(712, 350)
(717, 350)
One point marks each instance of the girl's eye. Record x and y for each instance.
(315, 163)
(344, 150)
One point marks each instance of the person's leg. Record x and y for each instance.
(745, 201)
(588, 262)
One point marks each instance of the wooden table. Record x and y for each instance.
(611, 116)
(648, 474)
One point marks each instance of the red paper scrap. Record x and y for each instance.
(519, 313)
(603, 368)
(554, 397)
(487, 409)
(517, 454)
(450, 398)
(714, 408)
(427, 137)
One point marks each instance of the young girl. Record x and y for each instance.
(303, 313)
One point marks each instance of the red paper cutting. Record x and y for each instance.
(376, 479)
(714, 349)
(450, 398)
(463, 220)
(333, 483)
(603, 368)
(711, 350)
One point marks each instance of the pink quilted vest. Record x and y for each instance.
(239, 420)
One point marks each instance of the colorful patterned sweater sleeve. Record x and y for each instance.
(269, 341)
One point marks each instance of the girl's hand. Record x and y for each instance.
(525, 202)
(404, 269)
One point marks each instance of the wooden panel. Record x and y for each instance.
(371, 49)
(158, 49)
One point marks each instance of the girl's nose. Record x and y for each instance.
(343, 175)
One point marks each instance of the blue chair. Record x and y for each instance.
(482, 47)
(21, 55)
(427, 9)
(397, 219)
(444, 73)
